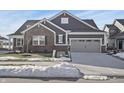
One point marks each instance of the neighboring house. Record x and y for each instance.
(115, 33)
(62, 32)
(3, 42)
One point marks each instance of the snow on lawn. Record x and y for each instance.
(121, 55)
(8, 58)
(64, 70)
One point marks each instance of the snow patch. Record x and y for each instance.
(8, 58)
(64, 70)
(34, 59)
(121, 55)
(95, 77)
(63, 59)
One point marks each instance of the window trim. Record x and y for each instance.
(60, 38)
(64, 20)
(38, 39)
(21, 42)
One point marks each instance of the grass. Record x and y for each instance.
(31, 55)
(45, 54)
(13, 55)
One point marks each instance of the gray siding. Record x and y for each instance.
(74, 24)
(39, 31)
(57, 31)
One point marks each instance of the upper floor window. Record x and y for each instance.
(60, 38)
(64, 20)
(39, 40)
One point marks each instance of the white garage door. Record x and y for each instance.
(85, 45)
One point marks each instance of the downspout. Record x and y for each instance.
(27, 45)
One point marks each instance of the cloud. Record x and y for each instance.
(10, 21)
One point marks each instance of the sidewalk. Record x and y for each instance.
(93, 70)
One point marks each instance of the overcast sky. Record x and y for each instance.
(10, 21)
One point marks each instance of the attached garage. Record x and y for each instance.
(85, 45)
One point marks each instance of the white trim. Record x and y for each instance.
(73, 17)
(21, 42)
(70, 39)
(79, 33)
(91, 33)
(56, 26)
(16, 36)
(47, 28)
(32, 26)
(39, 23)
(38, 40)
(64, 20)
(60, 29)
(54, 36)
(60, 38)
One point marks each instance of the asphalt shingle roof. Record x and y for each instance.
(121, 21)
(24, 26)
(3, 38)
(32, 22)
(91, 22)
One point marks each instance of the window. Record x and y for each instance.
(64, 21)
(19, 42)
(60, 38)
(35, 40)
(42, 40)
(39, 40)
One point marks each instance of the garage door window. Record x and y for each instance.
(89, 40)
(96, 40)
(81, 40)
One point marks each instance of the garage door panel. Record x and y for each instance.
(85, 45)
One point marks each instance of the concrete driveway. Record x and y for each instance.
(97, 59)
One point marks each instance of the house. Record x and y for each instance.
(3, 42)
(115, 34)
(62, 32)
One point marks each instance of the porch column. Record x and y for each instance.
(115, 43)
(9, 43)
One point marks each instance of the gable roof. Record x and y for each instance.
(120, 21)
(52, 26)
(113, 27)
(77, 18)
(91, 22)
(3, 38)
(24, 26)
(116, 32)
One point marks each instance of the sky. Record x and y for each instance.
(11, 20)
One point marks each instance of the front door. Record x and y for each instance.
(120, 44)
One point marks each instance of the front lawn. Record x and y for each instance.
(28, 55)
(12, 55)
(45, 54)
